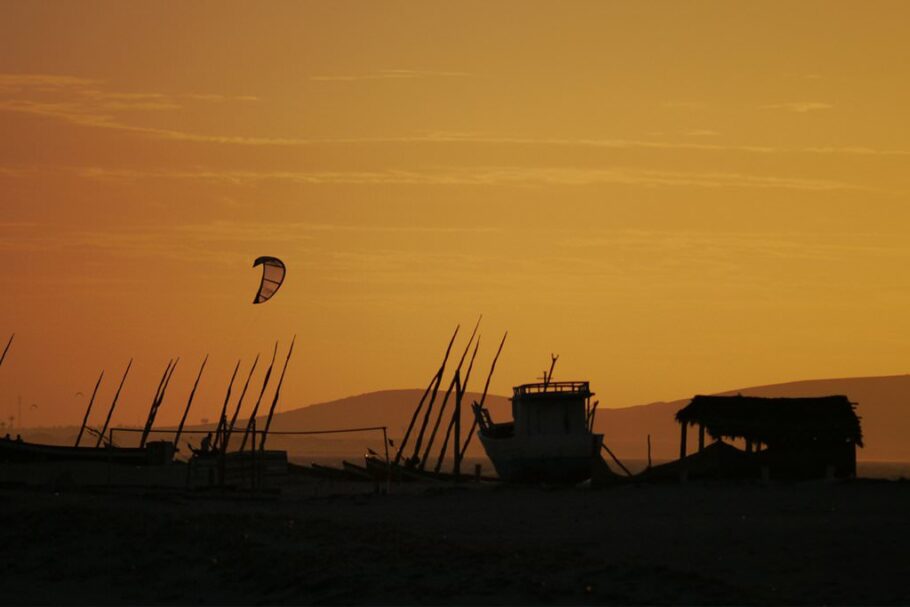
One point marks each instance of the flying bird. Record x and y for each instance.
(273, 272)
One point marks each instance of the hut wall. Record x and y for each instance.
(811, 459)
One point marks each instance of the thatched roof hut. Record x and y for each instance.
(803, 437)
(775, 420)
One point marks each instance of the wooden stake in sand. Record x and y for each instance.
(230, 426)
(110, 411)
(221, 428)
(464, 387)
(426, 418)
(89, 409)
(6, 349)
(445, 400)
(251, 425)
(460, 452)
(189, 402)
(268, 420)
(434, 382)
(156, 402)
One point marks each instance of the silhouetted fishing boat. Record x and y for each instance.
(19, 451)
(549, 439)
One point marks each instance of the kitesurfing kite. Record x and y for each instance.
(273, 272)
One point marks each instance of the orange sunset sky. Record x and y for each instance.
(676, 197)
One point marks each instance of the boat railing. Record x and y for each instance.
(564, 387)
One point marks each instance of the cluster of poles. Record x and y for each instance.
(422, 446)
(226, 426)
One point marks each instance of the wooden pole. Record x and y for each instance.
(153, 412)
(388, 476)
(464, 387)
(423, 398)
(6, 349)
(592, 415)
(189, 402)
(682, 440)
(701, 437)
(483, 397)
(251, 424)
(88, 409)
(426, 416)
(445, 400)
(616, 459)
(110, 411)
(268, 420)
(459, 394)
(407, 434)
(226, 440)
(148, 417)
(649, 451)
(221, 428)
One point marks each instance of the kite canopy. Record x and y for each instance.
(273, 272)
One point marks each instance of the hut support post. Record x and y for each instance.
(701, 437)
(748, 445)
(682, 440)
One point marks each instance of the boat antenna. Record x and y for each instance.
(548, 377)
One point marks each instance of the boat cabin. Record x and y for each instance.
(551, 408)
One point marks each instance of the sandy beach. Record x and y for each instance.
(806, 543)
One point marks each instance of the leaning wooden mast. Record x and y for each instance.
(110, 411)
(88, 409)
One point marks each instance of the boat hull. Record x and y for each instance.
(556, 459)
(18, 451)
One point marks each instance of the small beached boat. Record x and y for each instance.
(550, 438)
(15, 450)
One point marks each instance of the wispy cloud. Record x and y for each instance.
(700, 133)
(486, 175)
(392, 74)
(798, 106)
(89, 102)
(684, 105)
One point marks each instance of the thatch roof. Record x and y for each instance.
(775, 420)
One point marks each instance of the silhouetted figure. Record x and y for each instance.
(206, 445)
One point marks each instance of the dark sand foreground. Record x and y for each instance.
(808, 543)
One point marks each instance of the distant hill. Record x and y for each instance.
(392, 408)
(883, 405)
